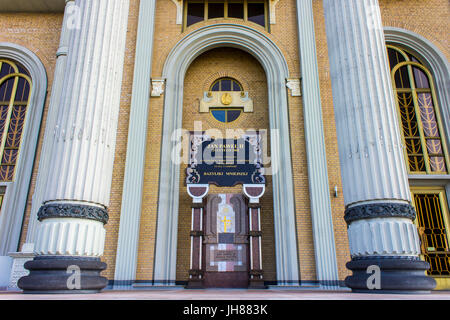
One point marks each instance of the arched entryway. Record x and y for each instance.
(219, 70)
(271, 59)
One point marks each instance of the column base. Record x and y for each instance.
(397, 275)
(57, 274)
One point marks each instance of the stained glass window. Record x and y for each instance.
(15, 87)
(425, 150)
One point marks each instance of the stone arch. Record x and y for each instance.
(16, 195)
(276, 69)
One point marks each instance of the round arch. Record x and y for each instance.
(275, 66)
(434, 60)
(13, 210)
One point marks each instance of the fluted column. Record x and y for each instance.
(376, 192)
(76, 192)
(45, 165)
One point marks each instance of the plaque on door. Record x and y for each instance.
(226, 242)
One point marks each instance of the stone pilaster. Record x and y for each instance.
(319, 190)
(376, 191)
(127, 244)
(71, 234)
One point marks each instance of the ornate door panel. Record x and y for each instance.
(225, 249)
(433, 227)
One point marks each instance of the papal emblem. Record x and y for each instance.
(226, 99)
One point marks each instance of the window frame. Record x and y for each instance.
(226, 2)
(414, 91)
(15, 199)
(12, 102)
(226, 78)
(226, 109)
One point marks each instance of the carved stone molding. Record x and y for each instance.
(73, 211)
(157, 87)
(213, 99)
(379, 210)
(295, 86)
(273, 4)
(179, 4)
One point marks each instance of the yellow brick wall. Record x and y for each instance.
(167, 35)
(429, 18)
(40, 33)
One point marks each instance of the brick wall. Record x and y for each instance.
(40, 34)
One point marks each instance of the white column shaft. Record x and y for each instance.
(376, 190)
(82, 148)
(81, 133)
(45, 163)
(369, 140)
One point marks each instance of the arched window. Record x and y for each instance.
(426, 151)
(426, 157)
(226, 114)
(15, 88)
(23, 89)
(226, 84)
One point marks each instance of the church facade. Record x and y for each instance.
(224, 144)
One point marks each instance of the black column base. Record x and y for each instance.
(397, 275)
(50, 274)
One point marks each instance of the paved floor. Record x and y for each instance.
(226, 294)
